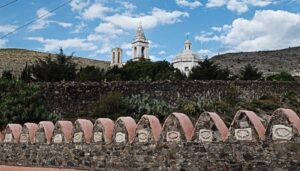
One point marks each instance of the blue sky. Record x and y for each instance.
(90, 28)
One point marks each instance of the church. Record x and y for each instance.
(184, 61)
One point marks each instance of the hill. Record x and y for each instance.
(15, 60)
(268, 62)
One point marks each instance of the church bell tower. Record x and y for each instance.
(140, 45)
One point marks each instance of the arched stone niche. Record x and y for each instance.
(63, 132)
(83, 131)
(284, 125)
(44, 133)
(177, 128)
(210, 128)
(12, 133)
(148, 130)
(28, 133)
(246, 126)
(124, 130)
(103, 130)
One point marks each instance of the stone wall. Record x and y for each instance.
(73, 97)
(246, 145)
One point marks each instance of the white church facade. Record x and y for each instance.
(184, 61)
(187, 59)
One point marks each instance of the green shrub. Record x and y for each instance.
(283, 76)
(7, 75)
(90, 73)
(188, 107)
(111, 105)
(249, 72)
(20, 103)
(144, 104)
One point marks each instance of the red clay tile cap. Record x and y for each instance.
(291, 115)
(48, 129)
(87, 128)
(255, 120)
(186, 125)
(108, 125)
(155, 126)
(67, 129)
(32, 128)
(130, 127)
(16, 131)
(220, 125)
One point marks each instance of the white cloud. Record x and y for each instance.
(206, 53)
(94, 37)
(154, 18)
(4, 29)
(79, 28)
(78, 5)
(109, 29)
(73, 43)
(2, 43)
(186, 3)
(154, 58)
(239, 6)
(267, 30)
(96, 10)
(44, 22)
(162, 52)
(128, 6)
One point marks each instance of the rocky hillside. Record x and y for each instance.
(268, 62)
(15, 60)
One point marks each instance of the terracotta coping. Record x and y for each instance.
(108, 125)
(154, 124)
(224, 131)
(186, 125)
(255, 120)
(16, 131)
(87, 128)
(130, 126)
(291, 115)
(48, 130)
(32, 128)
(67, 129)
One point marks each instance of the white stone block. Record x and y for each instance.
(173, 136)
(281, 132)
(205, 135)
(143, 136)
(58, 138)
(243, 134)
(97, 136)
(8, 138)
(120, 137)
(78, 137)
(24, 138)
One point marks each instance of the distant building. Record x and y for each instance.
(140, 45)
(116, 57)
(187, 59)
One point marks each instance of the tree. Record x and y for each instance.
(60, 69)
(283, 76)
(144, 70)
(90, 73)
(250, 73)
(208, 70)
(7, 75)
(26, 74)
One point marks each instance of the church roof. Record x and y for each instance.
(187, 55)
(140, 35)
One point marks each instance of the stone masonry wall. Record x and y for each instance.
(72, 97)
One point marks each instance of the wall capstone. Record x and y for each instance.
(45, 132)
(63, 132)
(12, 133)
(83, 131)
(210, 128)
(148, 130)
(124, 131)
(28, 133)
(103, 129)
(246, 125)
